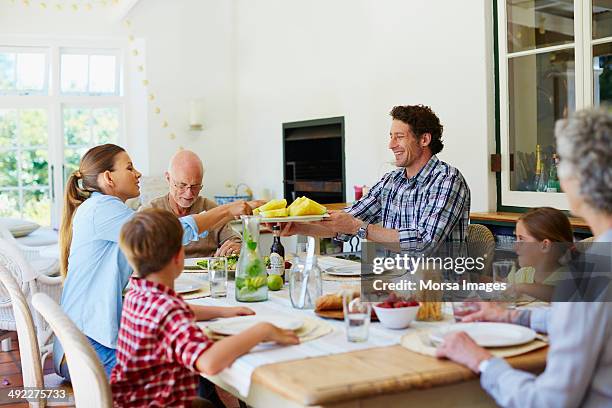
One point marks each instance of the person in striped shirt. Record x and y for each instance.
(161, 349)
(423, 202)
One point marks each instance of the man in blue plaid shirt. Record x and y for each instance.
(422, 203)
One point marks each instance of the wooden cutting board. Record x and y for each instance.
(340, 380)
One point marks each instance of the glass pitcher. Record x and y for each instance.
(251, 276)
(305, 284)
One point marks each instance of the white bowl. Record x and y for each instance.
(396, 318)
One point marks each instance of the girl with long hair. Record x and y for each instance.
(544, 239)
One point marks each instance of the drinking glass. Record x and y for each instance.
(357, 316)
(305, 283)
(217, 275)
(501, 270)
(461, 309)
(300, 250)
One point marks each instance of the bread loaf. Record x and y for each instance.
(331, 301)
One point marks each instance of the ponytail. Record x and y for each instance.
(79, 187)
(72, 199)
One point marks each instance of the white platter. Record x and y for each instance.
(186, 285)
(347, 270)
(487, 334)
(235, 325)
(295, 218)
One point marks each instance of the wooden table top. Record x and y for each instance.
(336, 206)
(371, 372)
(511, 217)
(499, 216)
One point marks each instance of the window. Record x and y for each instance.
(86, 127)
(23, 71)
(24, 169)
(85, 73)
(554, 57)
(55, 103)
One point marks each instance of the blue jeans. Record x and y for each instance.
(105, 354)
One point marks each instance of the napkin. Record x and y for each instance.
(203, 292)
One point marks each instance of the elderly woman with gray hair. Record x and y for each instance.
(579, 363)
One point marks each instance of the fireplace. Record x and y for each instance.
(313, 156)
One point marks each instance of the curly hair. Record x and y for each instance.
(421, 120)
(584, 143)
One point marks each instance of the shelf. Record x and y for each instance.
(318, 186)
(509, 218)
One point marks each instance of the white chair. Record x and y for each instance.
(89, 382)
(41, 264)
(30, 282)
(31, 366)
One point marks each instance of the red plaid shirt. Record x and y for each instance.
(159, 344)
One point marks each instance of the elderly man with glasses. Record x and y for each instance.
(184, 177)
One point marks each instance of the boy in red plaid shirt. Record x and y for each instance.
(161, 349)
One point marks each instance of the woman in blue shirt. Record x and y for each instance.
(95, 269)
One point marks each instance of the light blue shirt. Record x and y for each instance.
(579, 362)
(97, 269)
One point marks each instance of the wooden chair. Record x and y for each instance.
(479, 234)
(481, 242)
(585, 244)
(89, 381)
(31, 367)
(30, 282)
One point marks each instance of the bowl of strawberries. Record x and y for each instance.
(396, 312)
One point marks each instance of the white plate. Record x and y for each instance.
(235, 325)
(295, 218)
(487, 334)
(351, 270)
(186, 285)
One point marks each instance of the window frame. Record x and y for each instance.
(509, 200)
(54, 101)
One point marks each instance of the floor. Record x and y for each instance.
(10, 376)
(10, 371)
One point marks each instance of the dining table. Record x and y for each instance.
(330, 371)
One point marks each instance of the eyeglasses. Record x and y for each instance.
(182, 187)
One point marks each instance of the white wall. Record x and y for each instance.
(259, 63)
(189, 55)
(357, 58)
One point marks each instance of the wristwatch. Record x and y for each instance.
(362, 232)
(483, 365)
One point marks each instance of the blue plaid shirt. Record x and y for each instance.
(431, 207)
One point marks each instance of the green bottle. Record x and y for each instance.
(553, 186)
(540, 172)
